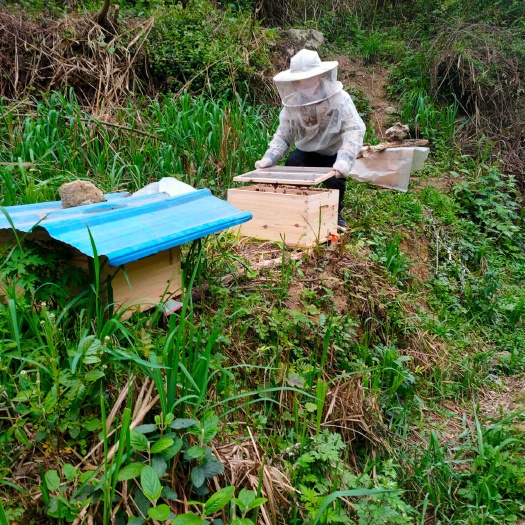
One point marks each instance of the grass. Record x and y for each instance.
(54, 141)
(359, 373)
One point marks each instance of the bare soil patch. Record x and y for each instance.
(372, 80)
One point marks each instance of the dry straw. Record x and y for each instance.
(96, 58)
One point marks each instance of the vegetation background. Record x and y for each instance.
(377, 380)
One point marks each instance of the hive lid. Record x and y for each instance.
(295, 175)
(127, 227)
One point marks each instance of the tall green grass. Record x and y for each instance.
(200, 141)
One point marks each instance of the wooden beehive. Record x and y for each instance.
(297, 216)
(285, 206)
(137, 285)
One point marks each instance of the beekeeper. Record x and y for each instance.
(319, 118)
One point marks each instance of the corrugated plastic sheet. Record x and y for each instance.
(126, 228)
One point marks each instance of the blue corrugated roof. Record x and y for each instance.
(127, 227)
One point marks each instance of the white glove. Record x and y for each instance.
(343, 167)
(265, 162)
(338, 175)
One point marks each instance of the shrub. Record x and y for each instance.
(202, 49)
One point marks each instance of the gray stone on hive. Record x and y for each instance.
(79, 193)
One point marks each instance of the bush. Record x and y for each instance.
(202, 49)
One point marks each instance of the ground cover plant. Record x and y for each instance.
(378, 379)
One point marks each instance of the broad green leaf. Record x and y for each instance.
(195, 452)
(93, 375)
(130, 471)
(219, 500)
(89, 345)
(161, 444)
(210, 427)
(257, 502)
(179, 424)
(91, 360)
(52, 480)
(159, 464)
(187, 519)
(22, 396)
(212, 468)
(150, 483)
(210, 433)
(143, 503)
(197, 476)
(245, 496)
(168, 493)
(88, 475)
(242, 521)
(69, 471)
(92, 424)
(138, 441)
(21, 436)
(146, 429)
(173, 450)
(160, 512)
(210, 422)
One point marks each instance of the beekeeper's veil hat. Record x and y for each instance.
(304, 65)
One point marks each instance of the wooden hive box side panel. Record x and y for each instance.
(297, 216)
(144, 283)
(277, 215)
(322, 215)
(136, 285)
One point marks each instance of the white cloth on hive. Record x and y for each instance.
(169, 185)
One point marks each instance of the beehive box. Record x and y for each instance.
(136, 285)
(298, 216)
(136, 237)
(142, 284)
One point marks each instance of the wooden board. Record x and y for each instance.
(295, 175)
(296, 216)
(151, 280)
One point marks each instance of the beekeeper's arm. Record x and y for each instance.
(281, 142)
(353, 131)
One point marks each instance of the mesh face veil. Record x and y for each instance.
(314, 89)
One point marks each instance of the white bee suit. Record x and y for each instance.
(319, 118)
(331, 126)
(317, 115)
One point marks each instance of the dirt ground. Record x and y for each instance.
(372, 81)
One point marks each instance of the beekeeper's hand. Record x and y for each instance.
(336, 174)
(265, 162)
(342, 168)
